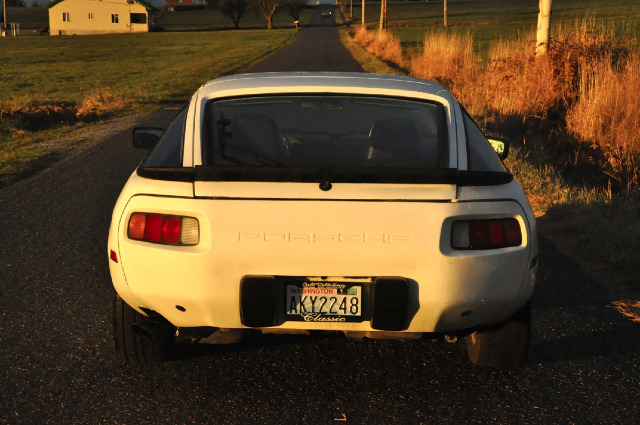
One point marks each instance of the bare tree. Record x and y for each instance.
(294, 8)
(544, 28)
(234, 9)
(266, 8)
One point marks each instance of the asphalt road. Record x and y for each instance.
(58, 365)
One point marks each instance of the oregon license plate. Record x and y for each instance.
(324, 302)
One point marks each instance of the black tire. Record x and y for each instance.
(504, 345)
(133, 346)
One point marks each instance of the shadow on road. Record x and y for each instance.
(573, 318)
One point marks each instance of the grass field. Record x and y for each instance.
(488, 21)
(54, 85)
(149, 67)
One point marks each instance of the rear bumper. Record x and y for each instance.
(431, 305)
(445, 290)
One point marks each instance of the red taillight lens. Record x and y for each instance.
(153, 232)
(496, 233)
(171, 230)
(478, 234)
(486, 234)
(164, 229)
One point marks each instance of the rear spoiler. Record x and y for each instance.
(334, 175)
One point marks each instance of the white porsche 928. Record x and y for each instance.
(366, 205)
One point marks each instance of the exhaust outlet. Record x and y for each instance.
(451, 339)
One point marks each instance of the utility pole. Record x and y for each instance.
(544, 28)
(383, 16)
(4, 16)
(445, 14)
(363, 14)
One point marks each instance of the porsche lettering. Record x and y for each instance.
(384, 238)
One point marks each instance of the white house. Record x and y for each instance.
(67, 17)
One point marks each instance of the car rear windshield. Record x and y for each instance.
(325, 132)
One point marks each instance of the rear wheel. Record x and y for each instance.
(136, 337)
(504, 345)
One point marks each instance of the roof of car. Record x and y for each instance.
(337, 81)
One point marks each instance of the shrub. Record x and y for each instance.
(447, 58)
(27, 114)
(100, 103)
(605, 115)
(382, 44)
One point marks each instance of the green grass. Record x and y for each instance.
(488, 21)
(150, 67)
(142, 70)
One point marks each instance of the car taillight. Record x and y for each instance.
(486, 233)
(164, 229)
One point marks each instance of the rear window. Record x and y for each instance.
(325, 132)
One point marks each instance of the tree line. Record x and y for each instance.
(236, 9)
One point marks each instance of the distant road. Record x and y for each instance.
(58, 364)
(317, 48)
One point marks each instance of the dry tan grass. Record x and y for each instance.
(99, 103)
(447, 58)
(32, 115)
(382, 44)
(511, 83)
(363, 37)
(606, 114)
(588, 77)
(514, 82)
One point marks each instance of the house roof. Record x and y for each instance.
(149, 6)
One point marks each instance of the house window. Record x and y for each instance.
(114, 18)
(90, 15)
(66, 17)
(138, 18)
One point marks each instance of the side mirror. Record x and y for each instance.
(146, 137)
(501, 147)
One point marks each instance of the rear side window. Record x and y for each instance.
(168, 151)
(480, 154)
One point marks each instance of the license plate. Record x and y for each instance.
(324, 302)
